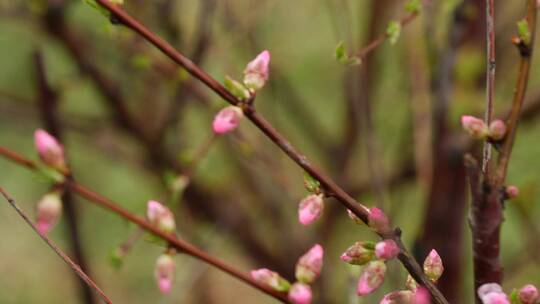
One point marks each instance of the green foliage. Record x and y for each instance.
(116, 258)
(93, 4)
(514, 298)
(236, 88)
(524, 31)
(393, 31)
(312, 185)
(413, 6)
(343, 57)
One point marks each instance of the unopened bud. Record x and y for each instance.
(160, 216)
(270, 278)
(227, 119)
(421, 296)
(411, 283)
(488, 288)
(359, 254)
(48, 212)
(300, 293)
(378, 221)
(475, 127)
(497, 130)
(528, 294)
(236, 88)
(512, 192)
(371, 278)
(164, 272)
(398, 297)
(495, 298)
(257, 71)
(433, 266)
(49, 149)
(309, 266)
(386, 250)
(310, 209)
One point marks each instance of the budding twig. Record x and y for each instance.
(58, 251)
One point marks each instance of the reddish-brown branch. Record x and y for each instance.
(56, 249)
(330, 186)
(173, 241)
(490, 77)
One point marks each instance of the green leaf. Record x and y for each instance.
(393, 31)
(116, 258)
(524, 31)
(343, 57)
(514, 297)
(312, 185)
(413, 6)
(93, 4)
(236, 88)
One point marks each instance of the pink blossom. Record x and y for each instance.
(49, 210)
(433, 266)
(49, 149)
(386, 250)
(270, 278)
(528, 294)
(257, 71)
(475, 127)
(160, 216)
(371, 278)
(512, 191)
(497, 129)
(227, 119)
(488, 288)
(492, 293)
(359, 254)
(378, 221)
(309, 266)
(164, 272)
(421, 296)
(310, 209)
(300, 293)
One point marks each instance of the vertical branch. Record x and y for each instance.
(85, 278)
(490, 77)
(48, 102)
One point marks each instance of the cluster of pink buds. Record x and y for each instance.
(160, 216)
(477, 128)
(433, 266)
(50, 151)
(310, 209)
(164, 272)
(308, 269)
(257, 71)
(227, 120)
(48, 212)
(492, 293)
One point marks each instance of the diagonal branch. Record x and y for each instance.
(58, 251)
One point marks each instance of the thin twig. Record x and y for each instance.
(490, 78)
(56, 249)
(329, 185)
(171, 239)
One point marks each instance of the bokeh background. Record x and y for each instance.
(386, 130)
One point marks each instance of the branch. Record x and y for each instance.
(490, 77)
(171, 239)
(58, 251)
(329, 185)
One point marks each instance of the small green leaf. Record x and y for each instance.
(312, 185)
(116, 258)
(343, 57)
(413, 6)
(514, 297)
(236, 88)
(524, 31)
(393, 31)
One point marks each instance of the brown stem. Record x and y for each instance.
(56, 249)
(173, 241)
(330, 186)
(490, 77)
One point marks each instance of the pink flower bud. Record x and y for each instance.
(475, 127)
(386, 250)
(227, 119)
(164, 272)
(257, 71)
(160, 216)
(49, 210)
(489, 288)
(310, 209)
(300, 293)
(497, 129)
(398, 297)
(378, 221)
(528, 294)
(495, 298)
(371, 278)
(421, 296)
(353, 217)
(433, 266)
(50, 151)
(309, 266)
(359, 254)
(512, 191)
(270, 278)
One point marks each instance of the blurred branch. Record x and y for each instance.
(56, 249)
(48, 102)
(329, 185)
(490, 77)
(171, 239)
